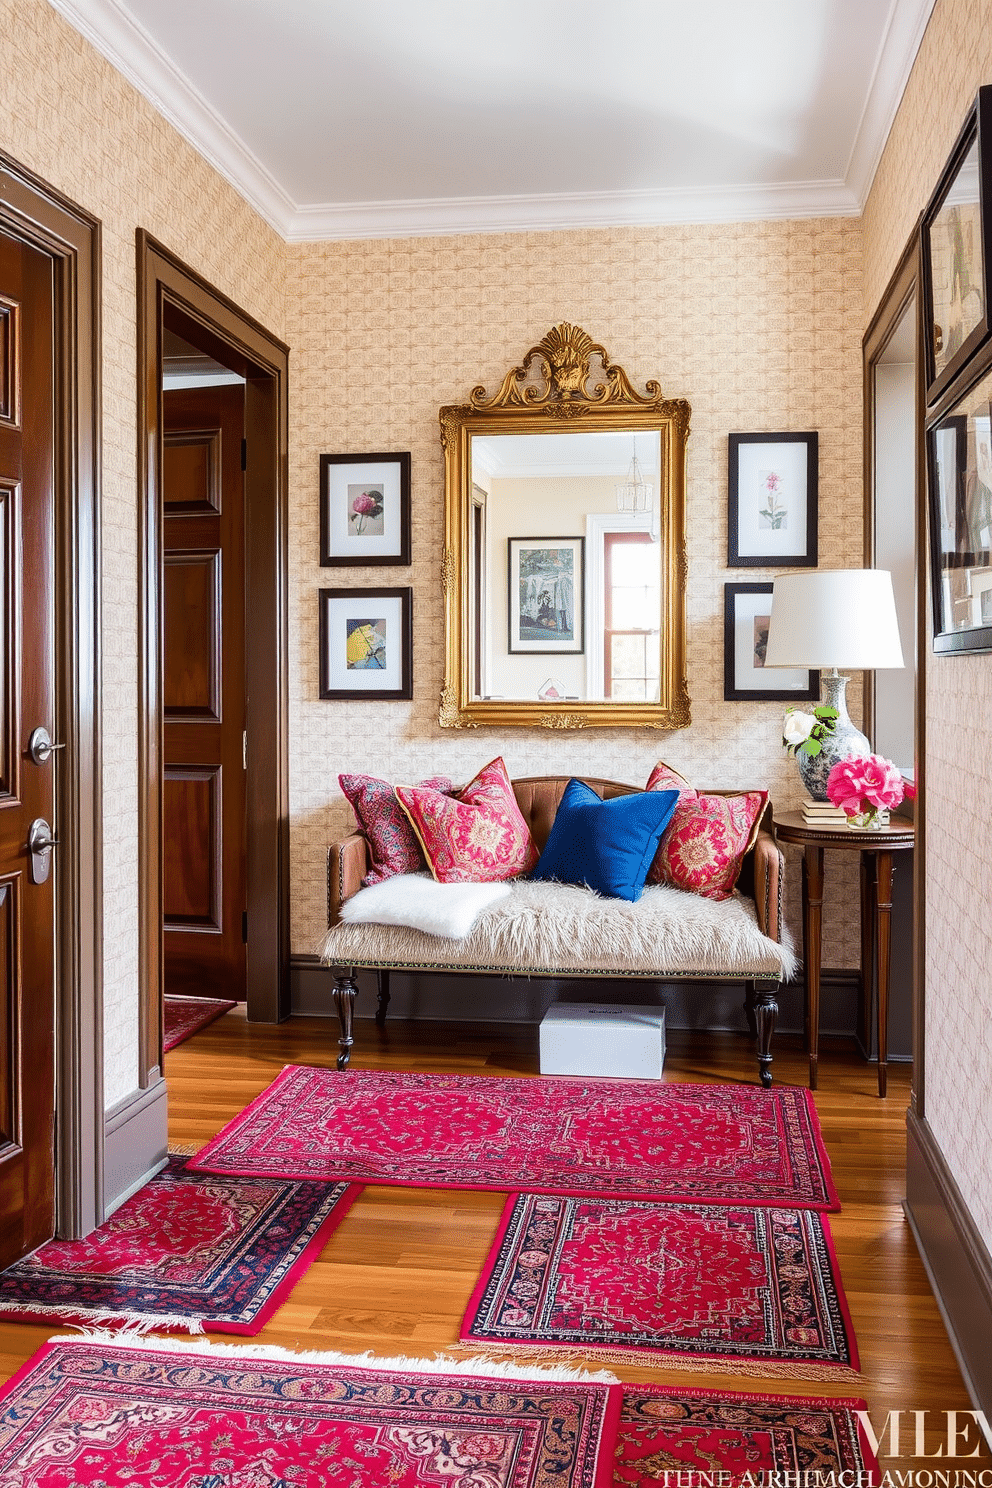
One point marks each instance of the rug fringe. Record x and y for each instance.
(476, 1365)
(659, 1359)
(124, 1324)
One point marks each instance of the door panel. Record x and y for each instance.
(27, 790)
(203, 625)
(193, 867)
(193, 630)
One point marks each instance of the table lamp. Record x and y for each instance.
(829, 618)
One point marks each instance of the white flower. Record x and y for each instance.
(797, 727)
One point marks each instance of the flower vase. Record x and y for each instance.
(872, 819)
(845, 742)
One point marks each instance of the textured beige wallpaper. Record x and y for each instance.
(757, 324)
(954, 60)
(70, 117)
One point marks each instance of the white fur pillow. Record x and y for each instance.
(413, 899)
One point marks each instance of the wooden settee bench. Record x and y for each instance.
(550, 930)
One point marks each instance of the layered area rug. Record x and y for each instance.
(185, 1016)
(673, 1286)
(664, 1429)
(186, 1251)
(714, 1144)
(88, 1412)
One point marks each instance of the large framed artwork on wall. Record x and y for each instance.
(772, 500)
(959, 496)
(956, 247)
(364, 510)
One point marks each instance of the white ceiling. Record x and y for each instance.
(368, 118)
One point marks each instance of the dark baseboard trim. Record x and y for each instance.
(956, 1258)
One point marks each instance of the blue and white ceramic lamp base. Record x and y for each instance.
(846, 741)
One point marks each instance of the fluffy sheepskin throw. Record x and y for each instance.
(414, 900)
(549, 928)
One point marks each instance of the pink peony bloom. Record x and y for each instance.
(365, 504)
(857, 784)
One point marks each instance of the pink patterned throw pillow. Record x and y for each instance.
(704, 847)
(393, 845)
(476, 836)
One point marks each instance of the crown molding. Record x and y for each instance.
(125, 43)
(492, 214)
(908, 20)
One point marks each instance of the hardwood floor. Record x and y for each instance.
(397, 1275)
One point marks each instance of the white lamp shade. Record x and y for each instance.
(843, 618)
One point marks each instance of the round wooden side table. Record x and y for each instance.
(876, 849)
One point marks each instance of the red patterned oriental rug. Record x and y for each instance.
(185, 1252)
(185, 1016)
(87, 1412)
(699, 1434)
(713, 1144)
(754, 1291)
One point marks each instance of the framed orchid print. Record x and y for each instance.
(747, 610)
(366, 643)
(772, 500)
(956, 243)
(364, 510)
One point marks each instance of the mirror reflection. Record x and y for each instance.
(565, 566)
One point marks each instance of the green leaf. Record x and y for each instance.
(826, 713)
(812, 747)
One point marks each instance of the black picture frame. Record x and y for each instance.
(340, 546)
(387, 617)
(533, 636)
(758, 536)
(956, 254)
(959, 514)
(738, 643)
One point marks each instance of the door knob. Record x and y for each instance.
(40, 746)
(40, 844)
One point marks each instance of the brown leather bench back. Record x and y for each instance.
(538, 797)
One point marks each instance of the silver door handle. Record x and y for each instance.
(40, 844)
(40, 746)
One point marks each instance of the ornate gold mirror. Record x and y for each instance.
(564, 566)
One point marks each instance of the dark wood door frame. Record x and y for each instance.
(899, 292)
(171, 293)
(33, 211)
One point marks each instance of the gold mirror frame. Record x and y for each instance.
(555, 386)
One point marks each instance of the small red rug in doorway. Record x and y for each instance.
(709, 1436)
(92, 1412)
(708, 1144)
(184, 1252)
(185, 1016)
(750, 1290)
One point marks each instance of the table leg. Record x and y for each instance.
(883, 948)
(812, 913)
(867, 950)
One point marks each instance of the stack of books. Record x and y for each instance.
(821, 813)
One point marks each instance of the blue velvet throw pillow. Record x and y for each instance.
(609, 845)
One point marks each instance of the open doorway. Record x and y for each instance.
(892, 514)
(205, 757)
(186, 785)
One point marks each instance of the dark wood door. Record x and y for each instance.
(204, 837)
(27, 789)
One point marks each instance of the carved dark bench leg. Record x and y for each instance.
(345, 990)
(752, 1022)
(765, 1012)
(383, 999)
